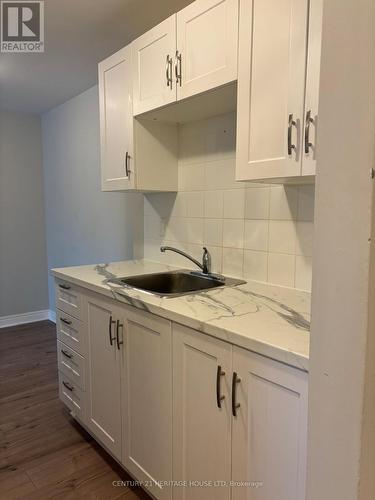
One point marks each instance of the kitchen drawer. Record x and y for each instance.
(70, 331)
(72, 396)
(68, 298)
(71, 364)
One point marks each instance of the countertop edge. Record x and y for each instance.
(275, 352)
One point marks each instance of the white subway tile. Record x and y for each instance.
(195, 204)
(191, 177)
(255, 265)
(284, 202)
(282, 237)
(256, 235)
(304, 240)
(306, 197)
(193, 230)
(234, 204)
(221, 175)
(213, 232)
(257, 203)
(233, 262)
(233, 233)
(303, 273)
(281, 269)
(180, 205)
(213, 204)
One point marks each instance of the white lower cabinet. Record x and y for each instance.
(201, 413)
(270, 429)
(254, 446)
(147, 400)
(104, 368)
(190, 416)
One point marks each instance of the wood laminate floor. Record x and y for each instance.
(44, 453)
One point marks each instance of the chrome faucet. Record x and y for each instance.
(206, 259)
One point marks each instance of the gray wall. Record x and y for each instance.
(83, 224)
(23, 263)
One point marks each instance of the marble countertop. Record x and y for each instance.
(270, 320)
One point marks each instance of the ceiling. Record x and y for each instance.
(78, 34)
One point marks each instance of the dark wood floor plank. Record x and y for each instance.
(44, 453)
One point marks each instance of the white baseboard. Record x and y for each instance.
(52, 315)
(31, 317)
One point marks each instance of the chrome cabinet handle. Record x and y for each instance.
(168, 71)
(66, 354)
(68, 386)
(178, 68)
(291, 123)
(66, 321)
(111, 322)
(64, 287)
(118, 326)
(235, 380)
(219, 396)
(309, 121)
(127, 160)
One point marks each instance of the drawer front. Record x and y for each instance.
(72, 396)
(70, 331)
(68, 298)
(71, 364)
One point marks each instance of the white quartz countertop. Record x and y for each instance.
(270, 320)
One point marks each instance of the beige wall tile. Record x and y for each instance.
(281, 269)
(233, 262)
(282, 237)
(257, 203)
(255, 265)
(284, 202)
(256, 235)
(233, 233)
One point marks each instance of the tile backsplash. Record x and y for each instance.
(252, 230)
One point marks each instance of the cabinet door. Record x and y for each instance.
(147, 400)
(207, 41)
(201, 430)
(271, 87)
(104, 407)
(270, 429)
(153, 67)
(312, 88)
(116, 121)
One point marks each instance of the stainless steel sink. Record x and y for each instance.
(177, 283)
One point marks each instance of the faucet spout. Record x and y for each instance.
(206, 259)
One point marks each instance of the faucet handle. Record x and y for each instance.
(206, 261)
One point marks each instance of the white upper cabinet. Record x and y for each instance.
(269, 404)
(207, 40)
(271, 88)
(135, 154)
(312, 88)
(116, 121)
(278, 89)
(153, 67)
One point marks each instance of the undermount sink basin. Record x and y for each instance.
(176, 283)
